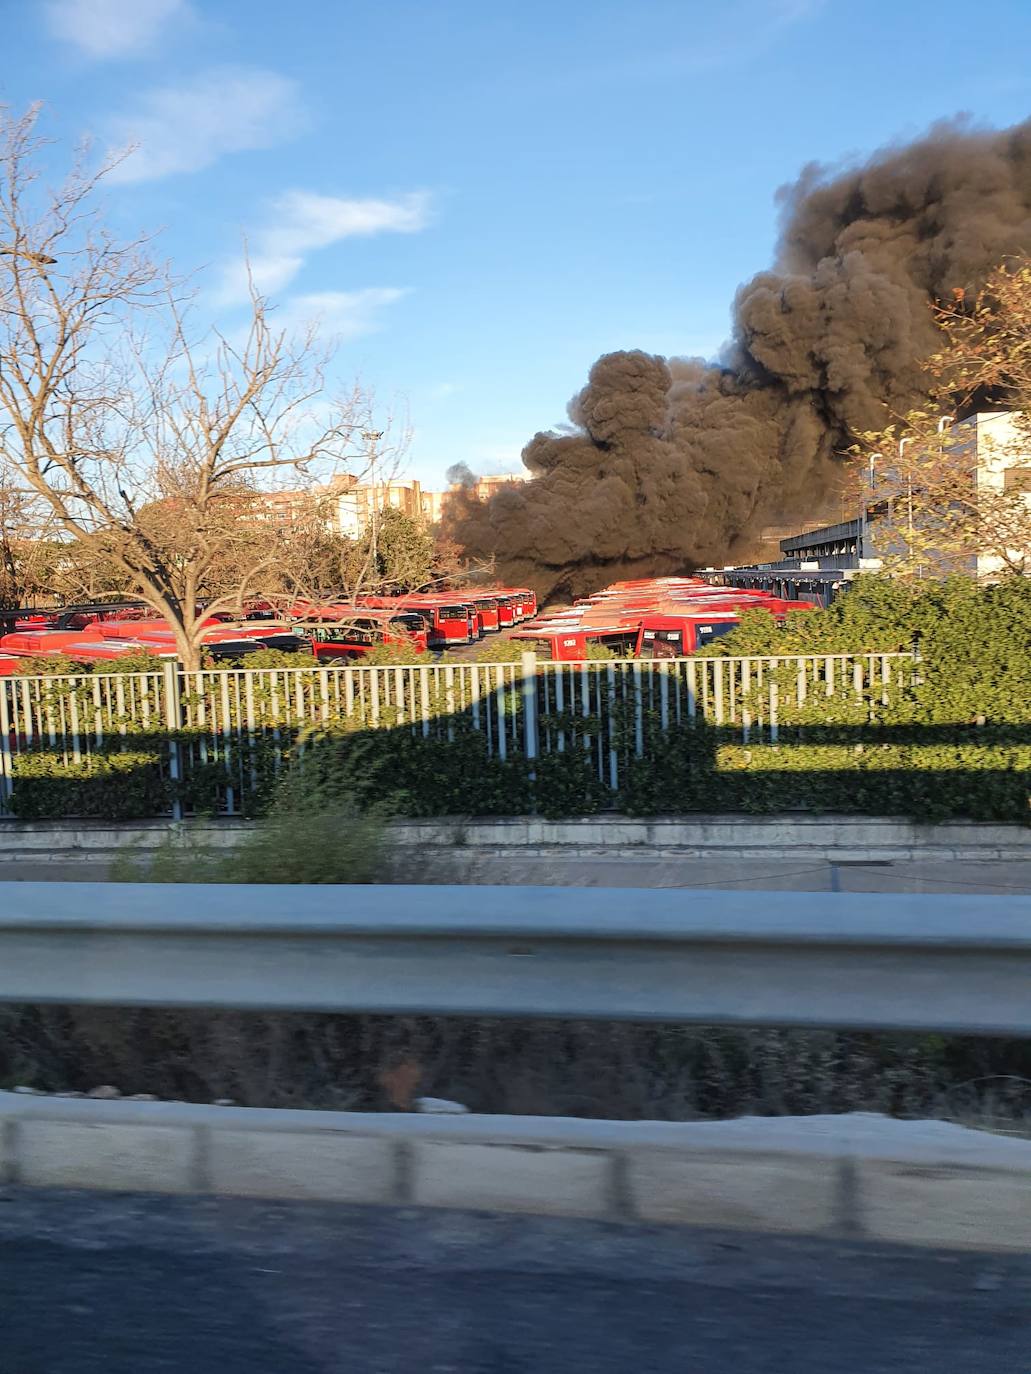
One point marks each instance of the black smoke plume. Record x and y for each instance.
(678, 463)
(460, 475)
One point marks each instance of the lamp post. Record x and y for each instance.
(909, 497)
(372, 437)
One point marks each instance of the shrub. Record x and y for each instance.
(321, 826)
(107, 785)
(585, 1069)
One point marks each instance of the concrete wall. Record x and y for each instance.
(830, 837)
(858, 1176)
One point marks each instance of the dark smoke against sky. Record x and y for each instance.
(460, 475)
(678, 464)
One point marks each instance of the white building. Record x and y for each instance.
(991, 450)
(989, 446)
(354, 508)
(1001, 462)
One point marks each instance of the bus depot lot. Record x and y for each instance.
(801, 853)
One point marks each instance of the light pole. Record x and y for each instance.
(909, 495)
(372, 437)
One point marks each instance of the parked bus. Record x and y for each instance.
(448, 619)
(356, 635)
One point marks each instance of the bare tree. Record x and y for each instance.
(986, 356)
(941, 502)
(28, 550)
(151, 444)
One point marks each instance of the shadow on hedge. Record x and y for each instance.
(445, 766)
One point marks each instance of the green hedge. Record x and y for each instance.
(951, 739)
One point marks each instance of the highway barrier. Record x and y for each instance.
(898, 961)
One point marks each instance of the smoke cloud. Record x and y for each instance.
(678, 463)
(460, 475)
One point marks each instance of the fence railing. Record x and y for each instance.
(910, 961)
(209, 722)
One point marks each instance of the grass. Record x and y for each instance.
(318, 829)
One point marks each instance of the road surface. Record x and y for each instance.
(113, 1285)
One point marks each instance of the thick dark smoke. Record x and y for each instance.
(460, 475)
(677, 464)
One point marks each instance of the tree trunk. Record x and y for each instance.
(189, 652)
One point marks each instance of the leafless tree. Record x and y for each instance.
(27, 547)
(151, 442)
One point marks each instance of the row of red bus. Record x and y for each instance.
(333, 632)
(651, 617)
(660, 617)
(445, 619)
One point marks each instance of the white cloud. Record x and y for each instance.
(187, 127)
(793, 11)
(112, 28)
(301, 222)
(341, 315)
(306, 220)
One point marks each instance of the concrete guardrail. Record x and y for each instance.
(853, 1177)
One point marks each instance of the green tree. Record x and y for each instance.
(395, 555)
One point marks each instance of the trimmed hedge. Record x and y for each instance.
(951, 739)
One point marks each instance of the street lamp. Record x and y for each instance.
(909, 495)
(372, 437)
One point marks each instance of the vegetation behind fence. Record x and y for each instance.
(874, 732)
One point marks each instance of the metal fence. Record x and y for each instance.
(911, 961)
(211, 720)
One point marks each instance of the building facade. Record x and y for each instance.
(347, 505)
(989, 447)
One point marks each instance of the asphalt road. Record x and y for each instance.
(132, 1285)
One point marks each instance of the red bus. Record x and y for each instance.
(449, 620)
(671, 633)
(489, 610)
(351, 638)
(522, 600)
(569, 643)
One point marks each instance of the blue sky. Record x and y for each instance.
(476, 198)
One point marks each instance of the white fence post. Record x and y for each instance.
(530, 722)
(173, 723)
(6, 752)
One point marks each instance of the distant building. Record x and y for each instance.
(433, 506)
(286, 508)
(347, 505)
(483, 489)
(817, 562)
(486, 487)
(355, 507)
